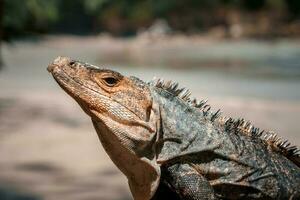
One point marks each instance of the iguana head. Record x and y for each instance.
(123, 115)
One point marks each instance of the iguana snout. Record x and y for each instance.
(59, 62)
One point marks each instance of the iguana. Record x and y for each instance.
(171, 146)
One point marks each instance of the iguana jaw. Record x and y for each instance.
(127, 136)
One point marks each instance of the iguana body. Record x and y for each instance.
(170, 146)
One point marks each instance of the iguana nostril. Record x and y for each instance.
(72, 63)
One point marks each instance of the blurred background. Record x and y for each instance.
(243, 56)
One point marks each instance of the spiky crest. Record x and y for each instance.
(239, 126)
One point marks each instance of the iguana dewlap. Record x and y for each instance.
(171, 146)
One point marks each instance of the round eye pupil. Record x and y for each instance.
(110, 81)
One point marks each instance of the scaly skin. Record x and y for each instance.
(170, 146)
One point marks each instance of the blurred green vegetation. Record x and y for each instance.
(126, 17)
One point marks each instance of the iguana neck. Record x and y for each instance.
(143, 175)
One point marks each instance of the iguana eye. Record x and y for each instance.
(110, 81)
